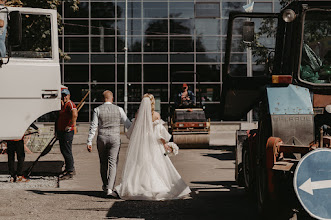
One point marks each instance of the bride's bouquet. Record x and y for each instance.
(174, 149)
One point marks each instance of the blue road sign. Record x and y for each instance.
(312, 183)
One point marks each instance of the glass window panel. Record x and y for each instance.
(208, 44)
(155, 44)
(155, 73)
(209, 73)
(103, 44)
(76, 44)
(102, 10)
(160, 92)
(207, 26)
(72, 27)
(181, 44)
(262, 7)
(134, 27)
(83, 115)
(209, 57)
(259, 70)
(102, 58)
(181, 26)
(155, 9)
(134, 10)
(237, 45)
(134, 44)
(36, 37)
(155, 26)
(181, 9)
(207, 10)
(102, 73)
(98, 89)
(239, 57)
(103, 27)
(134, 93)
(134, 73)
(77, 91)
(83, 11)
(232, 6)
(236, 29)
(178, 75)
(132, 58)
(156, 58)
(76, 73)
(78, 58)
(181, 58)
(238, 69)
(208, 93)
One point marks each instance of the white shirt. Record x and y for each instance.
(94, 122)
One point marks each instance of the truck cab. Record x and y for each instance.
(30, 71)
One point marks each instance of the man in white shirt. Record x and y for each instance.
(107, 118)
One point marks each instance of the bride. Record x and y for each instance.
(148, 174)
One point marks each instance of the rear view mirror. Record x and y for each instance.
(15, 28)
(248, 32)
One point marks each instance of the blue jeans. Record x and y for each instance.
(65, 140)
(2, 41)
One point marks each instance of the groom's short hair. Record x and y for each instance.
(107, 95)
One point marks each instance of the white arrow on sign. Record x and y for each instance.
(309, 186)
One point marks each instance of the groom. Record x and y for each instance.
(107, 118)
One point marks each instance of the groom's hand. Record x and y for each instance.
(89, 148)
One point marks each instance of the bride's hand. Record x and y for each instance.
(167, 148)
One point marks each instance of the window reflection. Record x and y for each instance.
(134, 93)
(103, 44)
(102, 58)
(208, 93)
(102, 73)
(132, 58)
(155, 9)
(134, 27)
(181, 44)
(78, 58)
(103, 27)
(160, 92)
(76, 44)
(208, 44)
(184, 58)
(209, 57)
(207, 26)
(102, 10)
(83, 11)
(155, 44)
(176, 76)
(209, 73)
(72, 27)
(76, 73)
(181, 9)
(134, 44)
(155, 73)
(156, 58)
(207, 10)
(134, 73)
(134, 10)
(155, 26)
(181, 26)
(232, 6)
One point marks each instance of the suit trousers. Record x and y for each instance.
(108, 149)
(18, 148)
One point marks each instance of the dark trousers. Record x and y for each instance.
(65, 140)
(18, 148)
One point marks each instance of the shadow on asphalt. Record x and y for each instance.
(97, 194)
(221, 156)
(209, 204)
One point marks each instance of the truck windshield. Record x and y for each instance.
(36, 39)
(316, 50)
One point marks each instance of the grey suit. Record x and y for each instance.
(107, 118)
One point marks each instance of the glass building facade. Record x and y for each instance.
(164, 37)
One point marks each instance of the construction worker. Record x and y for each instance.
(64, 128)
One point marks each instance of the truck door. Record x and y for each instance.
(30, 76)
(247, 65)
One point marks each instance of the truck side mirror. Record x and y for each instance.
(248, 32)
(15, 29)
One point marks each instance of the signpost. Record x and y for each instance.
(312, 183)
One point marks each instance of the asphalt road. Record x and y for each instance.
(208, 172)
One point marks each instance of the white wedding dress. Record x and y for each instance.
(148, 174)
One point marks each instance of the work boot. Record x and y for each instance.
(22, 179)
(67, 176)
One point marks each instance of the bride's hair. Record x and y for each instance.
(151, 97)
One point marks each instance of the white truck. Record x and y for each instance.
(30, 79)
